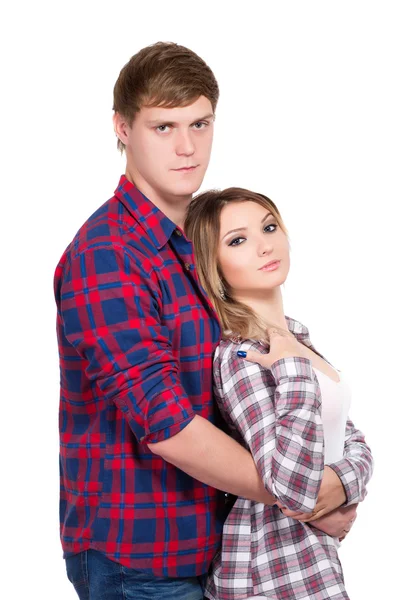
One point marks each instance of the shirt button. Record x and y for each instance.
(188, 266)
(178, 232)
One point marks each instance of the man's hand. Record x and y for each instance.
(331, 495)
(338, 522)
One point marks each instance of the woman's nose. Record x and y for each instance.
(264, 248)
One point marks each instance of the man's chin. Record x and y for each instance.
(187, 189)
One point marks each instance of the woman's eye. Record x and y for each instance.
(236, 242)
(270, 228)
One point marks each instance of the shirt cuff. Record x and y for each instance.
(345, 471)
(167, 432)
(294, 366)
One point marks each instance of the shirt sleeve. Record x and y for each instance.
(110, 304)
(278, 414)
(356, 467)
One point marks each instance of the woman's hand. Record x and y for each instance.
(338, 522)
(281, 346)
(331, 496)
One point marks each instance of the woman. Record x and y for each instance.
(283, 400)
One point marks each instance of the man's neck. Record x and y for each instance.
(173, 207)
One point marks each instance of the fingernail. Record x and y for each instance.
(242, 353)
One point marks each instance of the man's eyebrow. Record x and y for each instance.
(245, 228)
(157, 122)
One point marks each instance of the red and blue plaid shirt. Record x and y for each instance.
(136, 338)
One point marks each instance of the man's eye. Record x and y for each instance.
(162, 128)
(236, 242)
(200, 125)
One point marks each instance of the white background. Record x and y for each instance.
(309, 115)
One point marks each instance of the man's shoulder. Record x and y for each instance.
(110, 223)
(111, 228)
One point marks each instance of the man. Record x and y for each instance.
(141, 459)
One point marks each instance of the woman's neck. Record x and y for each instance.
(268, 306)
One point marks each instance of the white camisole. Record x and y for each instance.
(335, 397)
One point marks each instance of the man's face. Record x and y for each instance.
(168, 149)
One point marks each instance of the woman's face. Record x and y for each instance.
(253, 252)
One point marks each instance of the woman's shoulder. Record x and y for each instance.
(231, 370)
(227, 348)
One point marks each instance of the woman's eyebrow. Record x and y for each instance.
(244, 228)
(266, 217)
(234, 231)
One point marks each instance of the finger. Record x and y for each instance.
(319, 511)
(316, 515)
(352, 511)
(255, 357)
(299, 516)
(291, 513)
(305, 518)
(350, 524)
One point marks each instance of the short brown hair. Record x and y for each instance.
(202, 227)
(163, 74)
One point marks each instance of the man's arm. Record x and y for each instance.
(109, 303)
(209, 455)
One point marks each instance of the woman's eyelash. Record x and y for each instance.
(273, 225)
(231, 243)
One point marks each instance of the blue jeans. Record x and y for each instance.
(95, 577)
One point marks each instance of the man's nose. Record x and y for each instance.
(184, 143)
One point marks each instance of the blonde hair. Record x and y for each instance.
(202, 227)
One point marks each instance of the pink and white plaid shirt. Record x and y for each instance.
(276, 414)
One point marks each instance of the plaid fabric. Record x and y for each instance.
(277, 413)
(136, 336)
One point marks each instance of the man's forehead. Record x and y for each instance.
(199, 109)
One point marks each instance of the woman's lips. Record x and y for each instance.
(271, 266)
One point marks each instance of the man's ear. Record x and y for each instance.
(121, 127)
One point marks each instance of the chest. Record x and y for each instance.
(319, 363)
(186, 314)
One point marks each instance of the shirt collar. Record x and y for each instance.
(299, 330)
(158, 227)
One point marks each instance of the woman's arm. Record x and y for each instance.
(278, 414)
(356, 467)
(353, 471)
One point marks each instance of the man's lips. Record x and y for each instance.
(270, 266)
(186, 169)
